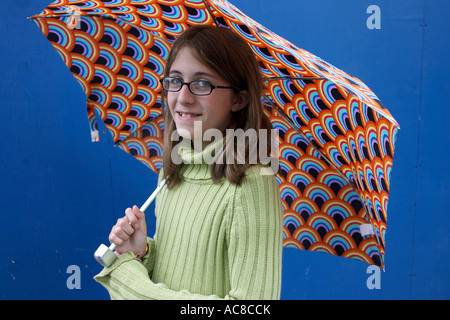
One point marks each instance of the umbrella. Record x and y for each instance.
(336, 138)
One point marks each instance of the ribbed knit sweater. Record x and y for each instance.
(212, 241)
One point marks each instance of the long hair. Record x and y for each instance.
(232, 59)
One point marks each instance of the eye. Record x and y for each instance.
(172, 84)
(203, 84)
(175, 81)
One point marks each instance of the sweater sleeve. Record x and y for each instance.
(254, 251)
(127, 279)
(148, 260)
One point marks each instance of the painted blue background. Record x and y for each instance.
(60, 193)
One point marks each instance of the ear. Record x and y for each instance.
(240, 101)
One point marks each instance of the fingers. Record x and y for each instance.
(125, 227)
(121, 232)
(132, 218)
(135, 216)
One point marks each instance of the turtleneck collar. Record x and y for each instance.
(197, 165)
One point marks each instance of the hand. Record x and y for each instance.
(130, 232)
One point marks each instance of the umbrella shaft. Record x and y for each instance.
(153, 196)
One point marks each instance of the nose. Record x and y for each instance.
(185, 95)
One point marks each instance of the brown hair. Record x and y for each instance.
(232, 59)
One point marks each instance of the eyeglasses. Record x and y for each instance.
(197, 87)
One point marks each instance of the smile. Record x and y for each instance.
(185, 115)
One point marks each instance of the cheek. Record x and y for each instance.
(170, 102)
(218, 116)
(217, 104)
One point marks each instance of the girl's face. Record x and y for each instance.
(212, 111)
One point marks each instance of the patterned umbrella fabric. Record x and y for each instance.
(336, 139)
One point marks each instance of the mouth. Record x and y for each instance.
(187, 115)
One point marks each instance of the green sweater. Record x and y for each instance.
(212, 241)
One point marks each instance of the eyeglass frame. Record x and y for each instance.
(212, 86)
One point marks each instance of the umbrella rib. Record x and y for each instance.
(210, 13)
(313, 144)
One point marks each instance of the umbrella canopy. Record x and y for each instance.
(336, 139)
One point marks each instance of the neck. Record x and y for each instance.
(199, 144)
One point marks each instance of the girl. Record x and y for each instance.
(219, 223)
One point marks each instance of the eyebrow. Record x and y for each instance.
(197, 74)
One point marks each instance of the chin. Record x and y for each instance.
(185, 132)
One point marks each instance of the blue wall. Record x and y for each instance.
(61, 193)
